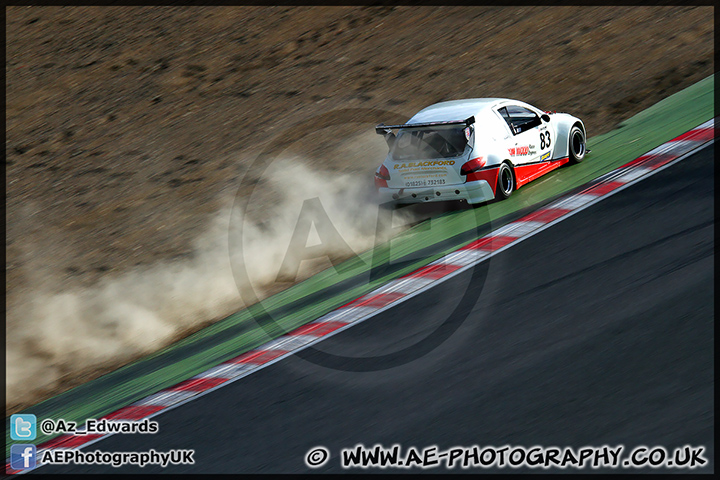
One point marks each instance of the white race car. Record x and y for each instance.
(475, 150)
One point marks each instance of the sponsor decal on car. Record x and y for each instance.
(515, 151)
(424, 182)
(430, 163)
(545, 156)
(417, 179)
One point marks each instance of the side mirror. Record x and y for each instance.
(545, 117)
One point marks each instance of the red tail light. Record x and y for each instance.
(383, 173)
(381, 177)
(472, 166)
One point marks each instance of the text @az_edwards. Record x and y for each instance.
(102, 426)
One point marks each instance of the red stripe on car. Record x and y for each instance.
(489, 175)
(527, 173)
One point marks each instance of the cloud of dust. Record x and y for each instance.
(55, 337)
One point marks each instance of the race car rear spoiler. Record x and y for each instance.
(382, 129)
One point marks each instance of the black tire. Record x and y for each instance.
(505, 182)
(576, 144)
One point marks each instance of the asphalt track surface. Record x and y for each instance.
(598, 330)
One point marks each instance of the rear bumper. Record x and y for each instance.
(472, 192)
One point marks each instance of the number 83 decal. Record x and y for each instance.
(544, 140)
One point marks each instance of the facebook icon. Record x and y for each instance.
(22, 456)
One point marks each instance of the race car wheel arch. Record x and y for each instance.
(505, 181)
(576, 144)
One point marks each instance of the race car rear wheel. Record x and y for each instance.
(505, 182)
(576, 144)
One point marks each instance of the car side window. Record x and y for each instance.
(520, 119)
(504, 114)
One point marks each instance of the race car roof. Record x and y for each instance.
(453, 110)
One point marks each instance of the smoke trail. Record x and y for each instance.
(53, 337)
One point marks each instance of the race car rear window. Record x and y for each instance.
(423, 144)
